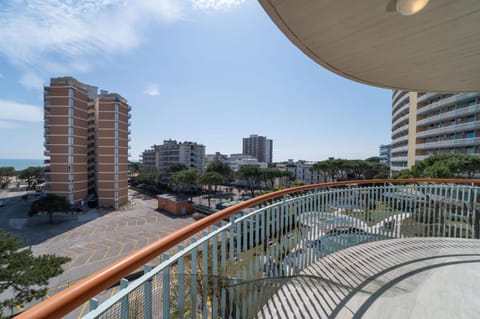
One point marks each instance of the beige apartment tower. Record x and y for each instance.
(112, 135)
(86, 139)
(425, 124)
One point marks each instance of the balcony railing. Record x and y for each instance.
(447, 101)
(231, 263)
(399, 130)
(461, 142)
(450, 129)
(466, 111)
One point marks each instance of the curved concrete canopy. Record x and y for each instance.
(435, 50)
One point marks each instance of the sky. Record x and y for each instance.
(207, 71)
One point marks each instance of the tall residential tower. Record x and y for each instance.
(259, 147)
(86, 139)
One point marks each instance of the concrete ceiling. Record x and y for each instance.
(435, 50)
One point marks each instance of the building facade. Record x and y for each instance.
(235, 161)
(302, 173)
(86, 140)
(259, 147)
(384, 153)
(112, 137)
(425, 124)
(147, 157)
(190, 154)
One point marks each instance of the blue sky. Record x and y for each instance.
(209, 71)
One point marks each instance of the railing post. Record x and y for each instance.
(475, 219)
(166, 288)
(124, 307)
(194, 280)
(147, 291)
(92, 304)
(181, 285)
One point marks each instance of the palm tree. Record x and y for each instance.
(211, 179)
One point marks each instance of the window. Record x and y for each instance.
(452, 122)
(471, 134)
(452, 151)
(471, 119)
(452, 136)
(470, 150)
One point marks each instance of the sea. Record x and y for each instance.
(20, 163)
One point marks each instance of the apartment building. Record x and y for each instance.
(235, 161)
(86, 140)
(259, 147)
(191, 154)
(425, 124)
(112, 137)
(147, 157)
(301, 171)
(384, 153)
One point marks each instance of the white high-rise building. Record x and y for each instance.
(425, 124)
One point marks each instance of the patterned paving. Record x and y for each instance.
(99, 242)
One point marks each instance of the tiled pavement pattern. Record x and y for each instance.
(95, 244)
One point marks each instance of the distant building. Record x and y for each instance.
(425, 124)
(384, 153)
(210, 158)
(259, 147)
(86, 140)
(301, 171)
(191, 154)
(147, 158)
(235, 161)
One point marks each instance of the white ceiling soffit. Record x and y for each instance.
(435, 50)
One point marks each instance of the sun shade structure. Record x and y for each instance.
(434, 50)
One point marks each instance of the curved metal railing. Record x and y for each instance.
(229, 263)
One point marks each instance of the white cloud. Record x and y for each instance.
(216, 4)
(49, 35)
(10, 110)
(152, 90)
(4, 124)
(64, 36)
(31, 80)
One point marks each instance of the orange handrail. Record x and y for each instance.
(69, 299)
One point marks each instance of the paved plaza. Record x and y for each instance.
(92, 240)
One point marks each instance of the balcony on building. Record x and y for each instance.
(369, 248)
(334, 249)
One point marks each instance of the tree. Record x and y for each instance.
(22, 274)
(51, 203)
(251, 175)
(185, 180)
(7, 171)
(269, 175)
(444, 166)
(329, 168)
(211, 179)
(133, 167)
(221, 168)
(31, 174)
(148, 174)
(342, 169)
(176, 167)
